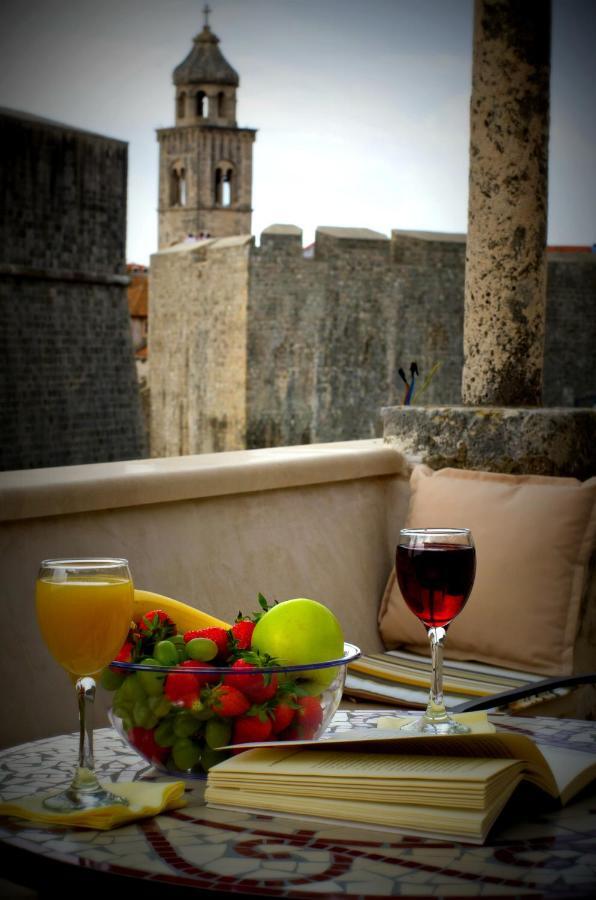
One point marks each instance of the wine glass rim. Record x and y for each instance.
(84, 562)
(434, 531)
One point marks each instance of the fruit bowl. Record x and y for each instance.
(178, 717)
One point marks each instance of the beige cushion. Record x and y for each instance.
(534, 536)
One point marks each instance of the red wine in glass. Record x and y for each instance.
(436, 579)
(435, 571)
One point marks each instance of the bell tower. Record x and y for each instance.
(205, 160)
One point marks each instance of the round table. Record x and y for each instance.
(548, 853)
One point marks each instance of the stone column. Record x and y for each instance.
(505, 287)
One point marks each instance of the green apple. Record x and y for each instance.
(301, 631)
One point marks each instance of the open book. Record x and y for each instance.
(442, 786)
(402, 678)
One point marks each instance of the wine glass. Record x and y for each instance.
(435, 570)
(84, 609)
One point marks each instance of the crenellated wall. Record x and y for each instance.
(292, 346)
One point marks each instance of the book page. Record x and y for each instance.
(469, 783)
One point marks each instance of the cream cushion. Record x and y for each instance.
(534, 536)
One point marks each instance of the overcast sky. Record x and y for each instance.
(361, 106)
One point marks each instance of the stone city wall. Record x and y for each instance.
(68, 389)
(198, 295)
(324, 333)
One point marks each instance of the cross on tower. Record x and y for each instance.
(207, 10)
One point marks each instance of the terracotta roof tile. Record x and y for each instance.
(138, 295)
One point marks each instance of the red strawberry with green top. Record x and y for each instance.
(307, 719)
(184, 687)
(226, 701)
(242, 631)
(282, 716)
(218, 635)
(255, 727)
(156, 626)
(125, 654)
(258, 686)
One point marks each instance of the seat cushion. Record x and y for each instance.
(534, 537)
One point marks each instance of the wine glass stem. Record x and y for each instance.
(85, 778)
(436, 707)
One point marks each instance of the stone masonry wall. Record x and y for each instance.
(320, 363)
(198, 296)
(321, 338)
(570, 340)
(199, 149)
(68, 389)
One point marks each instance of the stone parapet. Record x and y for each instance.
(532, 441)
(281, 239)
(423, 248)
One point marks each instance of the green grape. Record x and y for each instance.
(166, 653)
(152, 682)
(201, 649)
(164, 733)
(177, 639)
(132, 689)
(110, 680)
(217, 733)
(182, 654)
(142, 715)
(202, 712)
(160, 706)
(185, 725)
(122, 709)
(185, 754)
(211, 757)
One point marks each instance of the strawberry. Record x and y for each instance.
(183, 687)
(156, 626)
(125, 654)
(259, 687)
(226, 701)
(282, 715)
(254, 727)
(242, 630)
(307, 719)
(144, 741)
(218, 635)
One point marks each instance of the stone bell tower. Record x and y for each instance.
(205, 160)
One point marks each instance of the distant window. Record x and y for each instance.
(181, 105)
(221, 105)
(201, 105)
(178, 185)
(223, 184)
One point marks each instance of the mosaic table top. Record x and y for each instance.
(548, 853)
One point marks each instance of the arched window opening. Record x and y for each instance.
(221, 105)
(201, 104)
(226, 197)
(178, 185)
(181, 105)
(223, 185)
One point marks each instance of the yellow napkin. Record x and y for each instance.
(144, 799)
(476, 721)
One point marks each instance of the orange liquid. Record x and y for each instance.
(84, 622)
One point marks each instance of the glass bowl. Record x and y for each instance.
(183, 736)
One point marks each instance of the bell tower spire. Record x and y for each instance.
(205, 167)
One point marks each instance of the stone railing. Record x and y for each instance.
(211, 530)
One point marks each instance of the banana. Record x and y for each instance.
(186, 617)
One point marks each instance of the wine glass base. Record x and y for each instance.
(434, 725)
(71, 801)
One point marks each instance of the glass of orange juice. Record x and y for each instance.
(84, 610)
